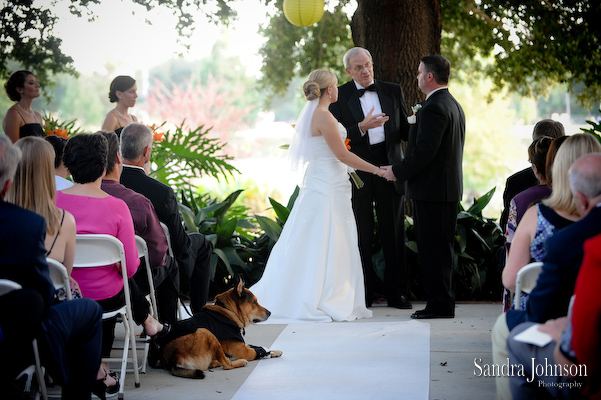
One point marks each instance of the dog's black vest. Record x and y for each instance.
(221, 326)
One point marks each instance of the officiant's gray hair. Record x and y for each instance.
(353, 52)
(134, 138)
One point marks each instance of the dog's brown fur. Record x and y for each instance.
(191, 354)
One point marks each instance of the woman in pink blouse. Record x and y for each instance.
(96, 212)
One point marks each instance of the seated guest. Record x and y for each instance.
(33, 189)
(525, 178)
(551, 157)
(96, 212)
(535, 385)
(557, 212)
(68, 333)
(576, 341)
(192, 251)
(146, 225)
(550, 297)
(61, 173)
(537, 155)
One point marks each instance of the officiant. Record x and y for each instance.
(374, 114)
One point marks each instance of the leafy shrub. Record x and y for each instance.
(595, 128)
(477, 240)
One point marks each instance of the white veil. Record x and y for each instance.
(299, 152)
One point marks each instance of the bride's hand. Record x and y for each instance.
(388, 174)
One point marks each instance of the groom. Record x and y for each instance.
(434, 175)
(374, 115)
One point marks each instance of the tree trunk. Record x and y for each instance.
(398, 33)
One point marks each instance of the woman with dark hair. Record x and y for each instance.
(123, 91)
(20, 120)
(537, 156)
(96, 212)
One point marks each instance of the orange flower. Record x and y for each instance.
(346, 142)
(58, 132)
(157, 136)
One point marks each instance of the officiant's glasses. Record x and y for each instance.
(360, 68)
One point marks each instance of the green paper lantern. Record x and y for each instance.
(303, 12)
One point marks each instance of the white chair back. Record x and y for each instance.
(166, 230)
(97, 250)
(7, 286)
(59, 276)
(526, 281)
(143, 253)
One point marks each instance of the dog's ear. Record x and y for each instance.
(240, 286)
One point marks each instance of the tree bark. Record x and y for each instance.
(398, 33)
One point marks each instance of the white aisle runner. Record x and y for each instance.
(379, 360)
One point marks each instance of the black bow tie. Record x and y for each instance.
(370, 88)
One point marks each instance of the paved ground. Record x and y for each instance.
(454, 344)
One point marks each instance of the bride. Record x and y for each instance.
(314, 270)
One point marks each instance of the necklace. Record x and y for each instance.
(124, 117)
(25, 111)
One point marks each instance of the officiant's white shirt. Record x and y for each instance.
(369, 100)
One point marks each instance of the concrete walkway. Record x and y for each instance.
(454, 343)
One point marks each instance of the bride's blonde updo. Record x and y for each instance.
(317, 83)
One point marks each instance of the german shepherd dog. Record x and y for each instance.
(208, 338)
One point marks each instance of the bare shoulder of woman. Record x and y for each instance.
(109, 123)
(69, 221)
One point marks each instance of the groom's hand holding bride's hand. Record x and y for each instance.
(388, 174)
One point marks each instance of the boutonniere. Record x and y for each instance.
(413, 118)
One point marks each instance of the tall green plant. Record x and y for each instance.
(183, 154)
(231, 232)
(594, 129)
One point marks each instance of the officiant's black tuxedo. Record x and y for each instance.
(387, 196)
(433, 171)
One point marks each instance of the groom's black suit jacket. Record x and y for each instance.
(348, 111)
(433, 164)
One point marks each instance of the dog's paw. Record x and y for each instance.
(275, 353)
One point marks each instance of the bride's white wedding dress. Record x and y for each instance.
(314, 271)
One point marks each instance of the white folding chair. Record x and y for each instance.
(92, 251)
(59, 276)
(143, 253)
(526, 281)
(166, 231)
(170, 252)
(7, 286)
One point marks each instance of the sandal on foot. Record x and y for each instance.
(101, 389)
